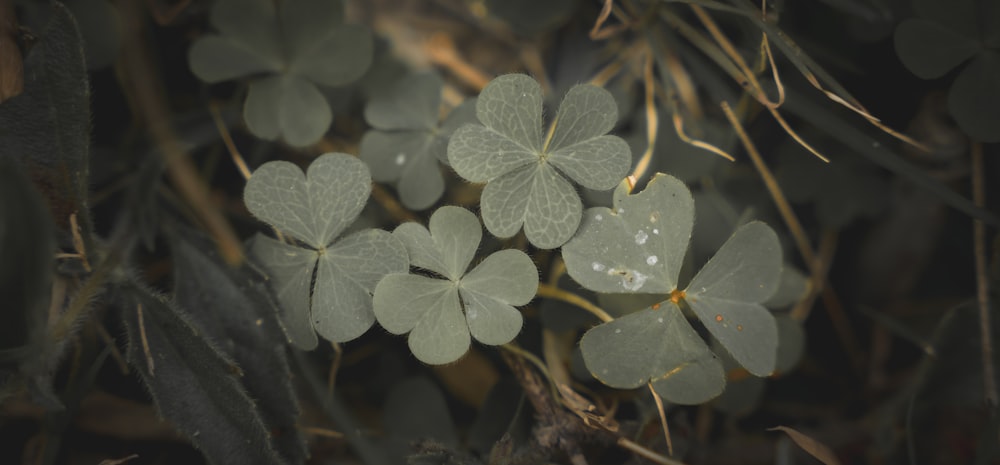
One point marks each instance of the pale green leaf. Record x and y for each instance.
(747, 268)
(220, 58)
(390, 154)
(422, 184)
(597, 163)
(792, 287)
(340, 57)
(504, 201)
(345, 280)
(553, 209)
(586, 112)
(290, 271)
(930, 50)
(411, 103)
(402, 300)
(508, 276)
(456, 233)
(974, 98)
(511, 105)
(442, 335)
(746, 330)
(490, 321)
(639, 245)
(420, 246)
(481, 154)
(314, 207)
(727, 292)
(259, 110)
(289, 107)
(654, 345)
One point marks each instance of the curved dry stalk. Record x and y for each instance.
(552, 292)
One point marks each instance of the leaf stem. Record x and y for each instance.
(552, 292)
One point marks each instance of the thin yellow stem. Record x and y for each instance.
(552, 292)
(982, 278)
(663, 418)
(227, 139)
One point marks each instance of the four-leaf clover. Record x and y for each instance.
(323, 285)
(638, 247)
(441, 311)
(946, 35)
(525, 170)
(292, 47)
(408, 140)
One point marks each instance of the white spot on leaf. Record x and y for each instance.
(618, 331)
(656, 231)
(640, 237)
(632, 280)
(400, 159)
(651, 260)
(597, 266)
(599, 217)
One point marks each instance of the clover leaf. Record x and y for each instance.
(324, 285)
(441, 311)
(288, 49)
(408, 140)
(946, 35)
(638, 247)
(526, 173)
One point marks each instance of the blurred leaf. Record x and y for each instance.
(416, 410)
(234, 311)
(440, 314)
(791, 288)
(47, 128)
(530, 17)
(638, 248)
(194, 385)
(974, 98)
(27, 250)
(298, 45)
(791, 343)
(947, 35)
(930, 50)
(526, 175)
(407, 141)
(316, 208)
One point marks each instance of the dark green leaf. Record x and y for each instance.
(27, 250)
(194, 385)
(416, 410)
(47, 127)
(234, 311)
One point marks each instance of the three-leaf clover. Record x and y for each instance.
(440, 312)
(525, 170)
(947, 34)
(288, 49)
(408, 140)
(638, 247)
(323, 285)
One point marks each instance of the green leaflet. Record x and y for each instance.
(637, 248)
(528, 177)
(296, 46)
(442, 315)
(315, 208)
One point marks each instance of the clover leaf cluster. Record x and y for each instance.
(287, 48)
(323, 281)
(528, 172)
(638, 247)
